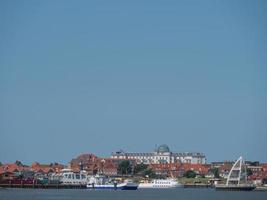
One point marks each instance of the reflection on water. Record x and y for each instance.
(145, 194)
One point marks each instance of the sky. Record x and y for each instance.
(99, 76)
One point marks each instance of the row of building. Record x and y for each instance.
(36, 170)
(93, 165)
(162, 161)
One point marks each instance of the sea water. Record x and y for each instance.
(141, 194)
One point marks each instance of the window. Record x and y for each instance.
(78, 176)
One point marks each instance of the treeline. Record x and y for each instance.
(127, 168)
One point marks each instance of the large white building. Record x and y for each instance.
(162, 154)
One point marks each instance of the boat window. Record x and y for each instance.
(69, 176)
(77, 176)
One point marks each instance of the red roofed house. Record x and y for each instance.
(178, 169)
(12, 170)
(42, 170)
(92, 164)
(87, 162)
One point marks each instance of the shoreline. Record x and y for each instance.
(64, 186)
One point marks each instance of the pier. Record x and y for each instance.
(197, 185)
(43, 186)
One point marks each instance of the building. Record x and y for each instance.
(259, 173)
(161, 155)
(93, 164)
(13, 170)
(88, 162)
(44, 170)
(178, 169)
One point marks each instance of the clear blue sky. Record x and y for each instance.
(98, 76)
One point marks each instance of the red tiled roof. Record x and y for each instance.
(202, 169)
(12, 167)
(36, 167)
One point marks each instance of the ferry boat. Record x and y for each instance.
(161, 183)
(68, 177)
(237, 178)
(102, 182)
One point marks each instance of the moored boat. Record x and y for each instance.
(102, 182)
(68, 177)
(160, 183)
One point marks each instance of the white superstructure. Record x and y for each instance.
(160, 183)
(72, 178)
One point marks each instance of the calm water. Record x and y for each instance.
(147, 194)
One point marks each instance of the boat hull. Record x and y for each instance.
(151, 186)
(160, 184)
(235, 187)
(113, 187)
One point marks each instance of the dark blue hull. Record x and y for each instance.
(129, 188)
(112, 187)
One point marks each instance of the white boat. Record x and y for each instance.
(68, 177)
(161, 183)
(102, 182)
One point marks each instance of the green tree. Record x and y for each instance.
(125, 167)
(216, 172)
(144, 170)
(149, 173)
(249, 172)
(140, 168)
(18, 163)
(190, 174)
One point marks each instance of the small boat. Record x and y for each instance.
(161, 183)
(237, 178)
(102, 182)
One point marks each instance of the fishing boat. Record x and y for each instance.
(237, 178)
(160, 183)
(103, 182)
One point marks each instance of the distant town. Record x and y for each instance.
(160, 163)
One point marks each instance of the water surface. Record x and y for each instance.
(144, 194)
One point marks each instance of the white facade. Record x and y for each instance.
(162, 155)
